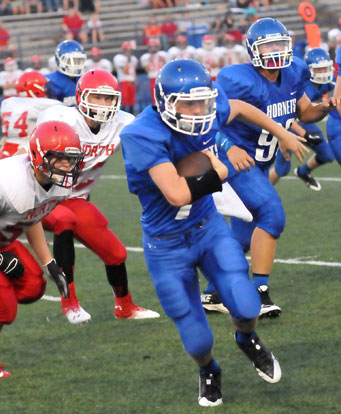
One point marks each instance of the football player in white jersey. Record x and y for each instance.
(209, 55)
(98, 121)
(96, 61)
(8, 77)
(181, 50)
(31, 185)
(19, 113)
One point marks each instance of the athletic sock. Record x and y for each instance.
(117, 278)
(244, 338)
(64, 253)
(304, 170)
(212, 367)
(260, 279)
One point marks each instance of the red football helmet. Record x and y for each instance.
(53, 142)
(98, 82)
(31, 84)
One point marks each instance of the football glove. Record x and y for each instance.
(58, 276)
(312, 138)
(10, 265)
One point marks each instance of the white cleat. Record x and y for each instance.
(77, 316)
(141, 313)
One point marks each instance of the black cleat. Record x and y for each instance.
(212, 303)
(263, 360)
(268, 308)
(210, 390)
(308, 180)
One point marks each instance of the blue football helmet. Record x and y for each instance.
(186, 84)
(269, 44)
(70, 58)
(320, 65)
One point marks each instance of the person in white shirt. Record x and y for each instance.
(209, 55)
(96, 61)
(181, 50)
(37, 65)
(232, 53)
(19, 113)
(98, 121)
(9, 76)
(31, 185)
(125, 64)
(152, 62)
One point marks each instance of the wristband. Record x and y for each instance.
(200, 185)
(223, 142)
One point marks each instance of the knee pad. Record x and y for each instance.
(336, 148)
(282, 166)
(270, 217)
(246, 298)
(173, 299)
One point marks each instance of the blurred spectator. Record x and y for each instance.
(95, 29)
(33, 6)
(151, 30)
(52, 5)
(18, 6)
(37, 65)
(96, 61)
(74, 26)
(5, 8)
(152, 62)
(9, 76)
(125, 64)
(209, 55)
(334, 39)
(181, 50)
(87, 6)
(160, 4)
(66, 4)
(169, 30)
(6, 49)
(184, 23)
(298, 46)
(220, 26)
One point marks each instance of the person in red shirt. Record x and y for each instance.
(74, 26)
(151, 30)
(169, 31)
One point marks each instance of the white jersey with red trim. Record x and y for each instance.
(153, 62)
(177, 53)
(129, 73)
(97, 148)
(103, 64)
(19, 116)
(23, 201)
(210, 59)
(234, 55)
(7, 77)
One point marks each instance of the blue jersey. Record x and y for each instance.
(62, 87)
(277, 99)
(147, 142)
(335, 113)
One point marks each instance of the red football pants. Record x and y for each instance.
(27, 289)
(128, 93)
(89, 226)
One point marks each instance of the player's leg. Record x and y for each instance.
(281, 168)
(170, 264)
(92, 230)
(322, 155)
(61, 221)
(334, 135)
(229, 274)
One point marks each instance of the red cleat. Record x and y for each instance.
(126, 309)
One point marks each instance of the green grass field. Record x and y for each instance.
(125, 367)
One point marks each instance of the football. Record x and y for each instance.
(195, 163)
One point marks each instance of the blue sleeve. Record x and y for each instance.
(237, 82)
(304, 76)
(141, 152)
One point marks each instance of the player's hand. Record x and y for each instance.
(312, 138)
(58, 277)
(217, 165)
(332, 103)
(240, 159)
(10, 265)
(293, 143)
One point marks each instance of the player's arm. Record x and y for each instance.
(180, 191)
(287, 140)
(36, 238)
(311, 137)
(308, 112)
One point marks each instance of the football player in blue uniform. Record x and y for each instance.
(70, 59)
(274, 82)
(182, 231)
(334, 119)
(321, 82)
